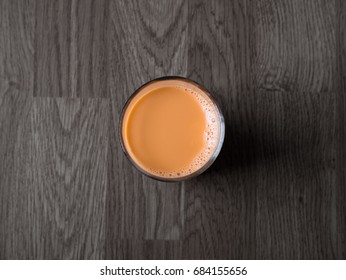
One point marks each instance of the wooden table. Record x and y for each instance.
(277, 190)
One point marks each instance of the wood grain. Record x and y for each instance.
(52, 48)
(341, 129)
(296, 183)
(71, 42)
(295, 45)
(276, 191)
(56, 206)
(69, 177)
(148, 40)
(14, 113)
(145, 249)
(221, 204)
(90, 23)
(295, 85)
(16, 90)
(16, 47)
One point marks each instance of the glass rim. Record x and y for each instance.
(212, 157)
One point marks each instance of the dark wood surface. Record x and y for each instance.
(277, 190)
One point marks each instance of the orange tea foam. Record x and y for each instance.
(171, 128)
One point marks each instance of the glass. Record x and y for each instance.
(207, 163)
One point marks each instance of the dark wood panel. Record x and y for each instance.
(145, 249)
(89, 35)
(296, 183)
(14, 149)
(69, 177)
(277, 190)
(16, 90)
(295, 45)
(56, 191)
(52, 48)
(340, 193)
(221, 204)
(17, 24)
(295, 85)
(148, 40)
(71, 54)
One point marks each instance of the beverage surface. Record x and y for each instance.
(170, 128)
